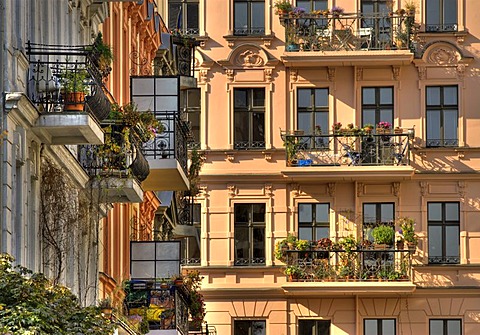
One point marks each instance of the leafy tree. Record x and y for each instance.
(30, 304)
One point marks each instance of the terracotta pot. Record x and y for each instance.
(74, 101)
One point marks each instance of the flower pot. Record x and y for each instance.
(74, 101)
(381, 246)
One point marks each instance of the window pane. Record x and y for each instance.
(369, 213)
(434, 211)
(304, 97)
(433, 124)
(388, 327)
(258, 16)
(305, 327)
(435, 241)
(452, 234)
(173, 11)
(450, 13)
(321, 97)
(386, 212)
(241, 327)
(241, 127)
(258, 212)
(450, 125)
(368, 96)
(386, 115)
(369, 116)
(321, 232)
(241, 213)
(240, 97)
(323, 327)
(258, 97)
(258, 328)
(259, 127)
(371, 327)
(305, 213)
(241, 242)
(240, 15)
(321, 119)
(193, 97)
(305, 122)
(433, 11)
(322, 214)
(436, 327)
(305, 232)
(259, 242)
(192, 15)
(451, 211)
(450, 95)
(386, 96)
(433, 96)
(454, 327)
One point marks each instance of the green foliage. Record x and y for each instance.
(196, 163)
(282, 5)
(407, 225)
(291, 239)
(103, 51)
(75, 80)
(349, 243)
(303, 245)
(280, 250)
(294, 270)
(383, 234)
(31, 304)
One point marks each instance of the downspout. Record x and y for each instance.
(3, 139)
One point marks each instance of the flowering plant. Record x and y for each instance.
(282, 6)
(337, 10)
(298, 11)
(336, 126)
(318, 129)
(146, 124)
(384, 125)
(399, 236)
(407, 226)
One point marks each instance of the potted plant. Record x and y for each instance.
(324, 244)
(383, 236)
(294, 272)
(75, 86)
(282, 7)
(291, 241)
(281, 248)
(106, 306)
(303, 245)
(349, 243)
(102, 55)
(407, 226)
(337, 11)
(336, 127)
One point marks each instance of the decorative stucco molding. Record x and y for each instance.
(248, 56)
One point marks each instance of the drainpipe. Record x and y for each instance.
(3, 144)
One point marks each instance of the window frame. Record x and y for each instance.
(313, 224)
(445, 325)
(443, 223)
(367, 227)
(184, 17)
(250, 330)
(313, 6)
(379, 325)
(315, 327)
(251, 110)
(442, 108)
(251, 225)
(192, 112)
(441, 27)
(249, 30)
(377, 106)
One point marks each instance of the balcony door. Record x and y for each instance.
(249, 234)
(375, 16)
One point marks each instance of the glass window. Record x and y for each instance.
(249, 118)
(441, 15)
(249, 17)
(445, 327)
(314, 327)
(313, 221)
(377, 105)
(379, 327)
(442, 116)
(311, 5)
(190, 107)
(375, 16)
(375, 214)
(312, 116)
(249, 234)
(249, 327)
(443, 232)
(183, 16)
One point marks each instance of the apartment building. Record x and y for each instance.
(323, 123)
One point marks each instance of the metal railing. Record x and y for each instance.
(118, 157)
(348, 31)
(340, 265)
(347, 149)
(172, 142)
(56, 70)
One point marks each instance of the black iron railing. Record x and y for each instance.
(119, 156)
(254, 261)
(172, 142)
(340, 265)
(57, 71)
(347, 149)
(348, 31)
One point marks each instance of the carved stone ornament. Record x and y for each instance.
(461, 189)
(396, 72)
(232, 190)
(331, 188)
(423, 188)
(249, 58)
(268, 190)
(396, 188)
(443, 55)
(230, 75)
(359, 73)
(293, 75)
(268, 75)
(331, 73)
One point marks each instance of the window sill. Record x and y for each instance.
(460, 35)
(235, 39)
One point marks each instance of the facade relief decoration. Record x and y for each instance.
(396, 72)
(269, 190)
(248, 56)
(232, 190)
(359, 73)
(461, 188)
(331, 188)
(360, 189)
(293, 75)
(423, 188)
(396, 188)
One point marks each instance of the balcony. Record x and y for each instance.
(355, 154)
(116, 168)
(348, 38)
(375, 270)
(66, 86)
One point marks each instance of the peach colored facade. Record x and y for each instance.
(435, 173)
(134, 41)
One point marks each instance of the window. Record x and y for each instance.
(375, 16)
(249, 234)
(442, 116)
(312, 110)
(249, 327)
(375, 214)
(311, 5)
(313, 327)
(379, 327)
(183, 16)
(190, 104)
(249, 118)
(313, 221)
(441, 15)
(445, 327)
(443, 232)
(249, 17)
(190, 247)
(377, 105)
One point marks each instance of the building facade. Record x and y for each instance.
(324, 123)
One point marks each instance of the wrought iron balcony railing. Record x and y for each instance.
(340, 265)
(355, 31)
(347, 149)
(119, 157)
(172, 142)
(66, 79)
